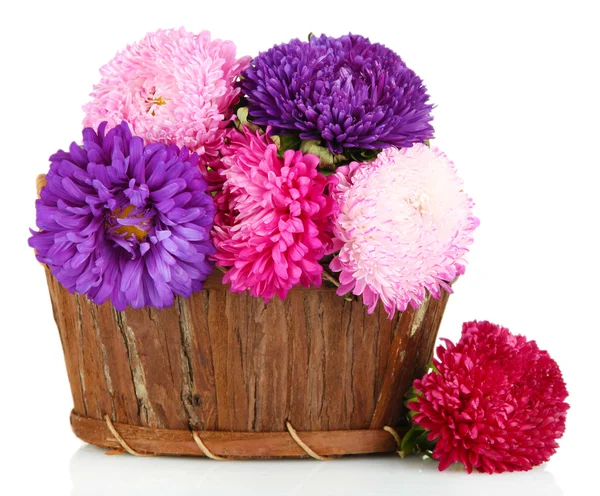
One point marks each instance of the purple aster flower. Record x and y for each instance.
(125, 221)
(347, 92)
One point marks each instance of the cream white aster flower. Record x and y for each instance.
(404, 226)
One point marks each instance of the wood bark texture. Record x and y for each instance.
(225, 362)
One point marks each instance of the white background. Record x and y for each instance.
(517, 92)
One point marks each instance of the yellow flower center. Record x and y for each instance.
(128, 232)
(155, 100)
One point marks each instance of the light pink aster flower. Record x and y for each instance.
(174, 87)
(271, 227)
(403, 227)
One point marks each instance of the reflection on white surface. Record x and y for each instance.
(94, 473)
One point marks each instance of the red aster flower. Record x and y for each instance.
(494, 402)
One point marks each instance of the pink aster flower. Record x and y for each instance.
(403, 227)
(271, 227)
(173, 87)
(494, 402)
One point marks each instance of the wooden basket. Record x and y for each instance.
(226, 376)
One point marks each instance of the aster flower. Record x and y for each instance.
(494, 402)
(271, 227)
(173, 87)
(125, 221)
(346, 92)
(403, 227)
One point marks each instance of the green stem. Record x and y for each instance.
(329, 277)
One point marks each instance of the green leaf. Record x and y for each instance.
(415, 441)
(411, 395)
(408, 444)
(423, 444)
(287, 142)
(243, 120)
(361, 154)
(242, 115)
(327, 160)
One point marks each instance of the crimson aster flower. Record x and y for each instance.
(122, 221)
(494, 401)
(271, 227)
(346, 92)
(173, 87)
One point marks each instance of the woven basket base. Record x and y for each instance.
(233, 445)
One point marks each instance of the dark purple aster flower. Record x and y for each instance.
(347, 92)
(125, 221)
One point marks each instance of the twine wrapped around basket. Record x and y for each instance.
(225, 373)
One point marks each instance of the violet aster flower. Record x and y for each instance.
(347, 92)
(271, 227)
(125, 221)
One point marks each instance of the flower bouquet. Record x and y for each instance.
(251, 257)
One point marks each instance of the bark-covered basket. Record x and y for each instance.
(225, 376)
(229, 371)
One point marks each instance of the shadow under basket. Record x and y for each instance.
(226, 376)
